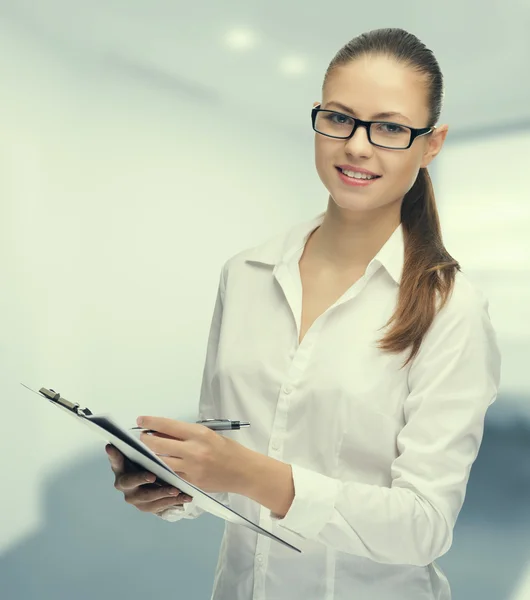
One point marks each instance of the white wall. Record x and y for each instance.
(484, 201)
(120, 203)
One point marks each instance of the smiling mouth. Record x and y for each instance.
(356, 175)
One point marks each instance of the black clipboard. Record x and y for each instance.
(140, 454)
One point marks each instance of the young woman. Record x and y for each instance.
(362, 356)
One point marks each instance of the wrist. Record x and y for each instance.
(268, 482)
(247, 479)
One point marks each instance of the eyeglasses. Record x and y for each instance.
(380, 133)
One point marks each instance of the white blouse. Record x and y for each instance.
(380, 455)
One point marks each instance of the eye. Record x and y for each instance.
(339, 119)
(391, 128)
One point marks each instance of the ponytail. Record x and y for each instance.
(428, 272)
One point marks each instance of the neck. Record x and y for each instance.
(348, 241)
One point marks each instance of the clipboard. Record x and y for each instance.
(140, 454)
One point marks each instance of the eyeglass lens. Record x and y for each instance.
(338, 125)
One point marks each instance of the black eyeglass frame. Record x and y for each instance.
(414, 131)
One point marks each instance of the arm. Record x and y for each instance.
(207, 403)
(452, 381)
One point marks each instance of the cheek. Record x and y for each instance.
(323, 158)
(403, 171)
(410, 174)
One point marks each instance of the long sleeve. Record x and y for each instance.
(207, 401)
(452, 382)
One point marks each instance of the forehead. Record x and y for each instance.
(374, 84)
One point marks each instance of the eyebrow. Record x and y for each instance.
(381, 115)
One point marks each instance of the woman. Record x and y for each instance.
(362, 356)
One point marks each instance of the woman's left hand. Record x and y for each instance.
(199, 455)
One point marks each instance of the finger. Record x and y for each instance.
(146, 494)
(162, 445)
(116, 458)
(160, 435)
(160, 505)
(129, 481)
(176, 429)
(177, 465)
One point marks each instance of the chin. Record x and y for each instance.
(353, 202)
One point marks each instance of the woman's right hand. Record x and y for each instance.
(139, 488)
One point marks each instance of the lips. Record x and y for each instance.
(363, 171)
(356, 181)
(357, 170)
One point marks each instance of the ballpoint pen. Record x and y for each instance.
(214, 424)
(223, 424)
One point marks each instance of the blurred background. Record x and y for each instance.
(144, 143)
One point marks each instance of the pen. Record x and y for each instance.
(214, 424)
(223, 424)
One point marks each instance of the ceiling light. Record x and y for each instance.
(241, 39)
(293, 65)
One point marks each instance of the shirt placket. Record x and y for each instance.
(290, 283)
(277, 437)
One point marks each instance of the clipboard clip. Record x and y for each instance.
(54, 396)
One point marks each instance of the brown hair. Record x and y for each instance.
(429, 270)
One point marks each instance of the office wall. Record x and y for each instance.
(483, 201)
(483, 191)
(121, 200)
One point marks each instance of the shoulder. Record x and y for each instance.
(235, 268)
(463, 322)
(268, 252)
(461, 339)
(270, 248)
(466, 300)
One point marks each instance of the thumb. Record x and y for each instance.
(116, 459)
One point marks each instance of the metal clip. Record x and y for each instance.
(56, 397)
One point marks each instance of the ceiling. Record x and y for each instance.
(483, 49)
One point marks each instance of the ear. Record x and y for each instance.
(434, 144)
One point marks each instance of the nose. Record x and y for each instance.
(359, 144)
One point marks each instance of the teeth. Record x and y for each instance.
(356, 175)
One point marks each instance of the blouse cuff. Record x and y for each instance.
(313, 505)
(175, 513)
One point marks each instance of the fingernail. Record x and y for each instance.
(173, 492)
